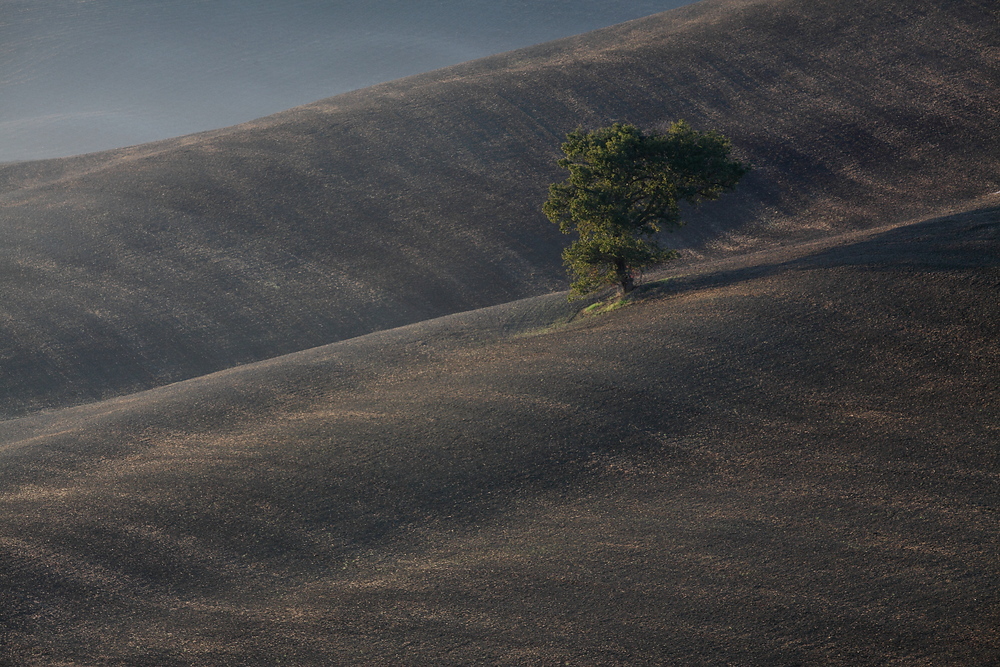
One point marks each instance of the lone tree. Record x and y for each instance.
(624, 187)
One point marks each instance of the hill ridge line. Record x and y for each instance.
(370, 210)
(488, 324)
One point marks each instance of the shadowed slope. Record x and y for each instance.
(413, 199)
(788, 461)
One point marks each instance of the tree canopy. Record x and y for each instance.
(625, 187)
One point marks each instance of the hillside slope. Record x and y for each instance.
(79, 77)
(786, 459)
(410, 200)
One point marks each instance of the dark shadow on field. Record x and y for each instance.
(964, 240)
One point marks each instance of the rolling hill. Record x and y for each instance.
(418, 198)
(782, 458)
(300, 391)
(78, 77)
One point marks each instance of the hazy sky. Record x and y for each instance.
(84, 75)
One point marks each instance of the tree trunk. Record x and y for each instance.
(625, 281)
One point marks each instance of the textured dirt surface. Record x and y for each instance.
(792, 460)
(784, 451)
(131, 269)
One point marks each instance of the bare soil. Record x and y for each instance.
(792, 461)
(302, 391)
(134, 268)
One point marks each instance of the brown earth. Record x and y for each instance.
(785, 454)
(410, 200)
(785, 458)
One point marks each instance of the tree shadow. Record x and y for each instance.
(954, 242)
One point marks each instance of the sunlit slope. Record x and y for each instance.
(790, 459)
(414, 199)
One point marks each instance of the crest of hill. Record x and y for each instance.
(410, 200)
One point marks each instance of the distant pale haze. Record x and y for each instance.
(83, 75)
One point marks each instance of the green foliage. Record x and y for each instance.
(625, 186)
